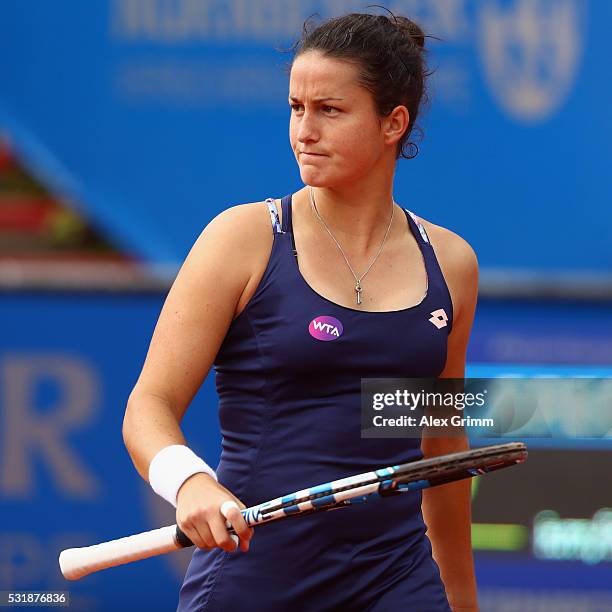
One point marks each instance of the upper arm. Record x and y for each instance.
(200, 305)
(460, 268)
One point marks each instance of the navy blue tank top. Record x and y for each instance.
(289, 407)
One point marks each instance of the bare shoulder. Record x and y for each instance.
(237, 242)
(249, 222)
(450, 246)
(238, 234)
(458, 262)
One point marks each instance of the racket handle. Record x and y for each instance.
(78, 562)
(182, 539)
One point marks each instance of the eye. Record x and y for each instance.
(328, 110)
(296, 107)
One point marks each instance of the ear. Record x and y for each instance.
(395, 124)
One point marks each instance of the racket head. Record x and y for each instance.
(464, 464)
(416, 475)
(435, 470)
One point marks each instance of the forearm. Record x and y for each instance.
(447, 514)
(149, 425)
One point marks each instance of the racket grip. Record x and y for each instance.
(76, 563)
(182, 539)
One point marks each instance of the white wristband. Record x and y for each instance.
(171, 467)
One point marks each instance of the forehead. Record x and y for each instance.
(313, 74)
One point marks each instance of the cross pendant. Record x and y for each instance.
(358, 291)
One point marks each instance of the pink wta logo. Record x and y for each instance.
(325, 328)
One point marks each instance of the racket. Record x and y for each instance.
(76, 563)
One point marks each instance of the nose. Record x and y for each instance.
(308, 130)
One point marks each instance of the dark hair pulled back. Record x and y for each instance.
(390, 53)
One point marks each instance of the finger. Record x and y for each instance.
(234, 516)
(200, 535)
(236, 520)
(226, 506)
(205, 534)
(219, 531)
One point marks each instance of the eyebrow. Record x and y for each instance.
(325, 99)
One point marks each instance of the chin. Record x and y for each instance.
(316, 178)
(313, 177)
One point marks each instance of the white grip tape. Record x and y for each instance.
(78, 562)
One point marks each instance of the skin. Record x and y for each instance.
(352, 177)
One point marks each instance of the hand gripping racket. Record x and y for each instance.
(385, 482)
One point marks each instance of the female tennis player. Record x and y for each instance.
(294, 301)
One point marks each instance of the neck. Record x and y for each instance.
(353, 218)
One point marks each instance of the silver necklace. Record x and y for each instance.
(358, 279)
